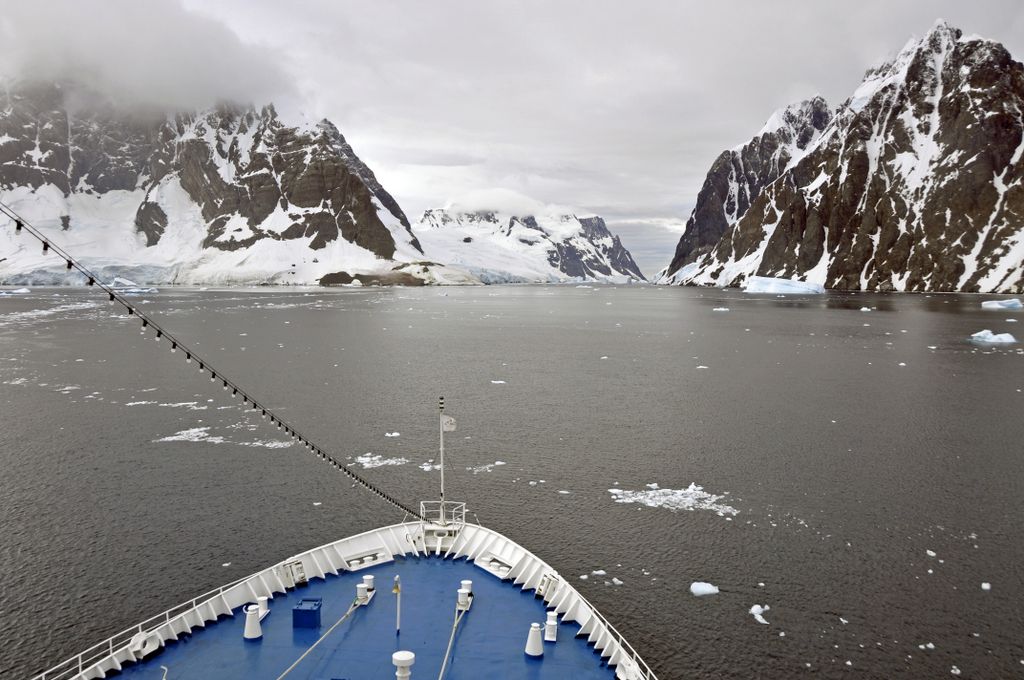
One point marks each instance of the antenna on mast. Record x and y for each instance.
(446, 424)
(440, 408)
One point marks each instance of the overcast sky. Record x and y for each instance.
(614, 108)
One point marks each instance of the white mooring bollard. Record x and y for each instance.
(402, 661)
(551, 628)
(534, 646)
(253, 630)
(262, 603)
(368, 580)
(467, 586)
(463, 598)
(361, 592)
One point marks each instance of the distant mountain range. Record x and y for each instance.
(504, 248)
(235, 195)
(914, 183)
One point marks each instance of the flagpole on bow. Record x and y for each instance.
(440, 427)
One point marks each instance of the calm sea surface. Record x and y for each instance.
(861, 473)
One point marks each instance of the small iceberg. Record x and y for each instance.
(767, 284)
(758, 612)
(702, 589)
(987, 337)
(1013, 303)
(18, 291)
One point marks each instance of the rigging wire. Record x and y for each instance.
(21, 224)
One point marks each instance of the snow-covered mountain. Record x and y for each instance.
(228, 195)
(915, 183)
(498, 247)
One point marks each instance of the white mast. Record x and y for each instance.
(440, 427)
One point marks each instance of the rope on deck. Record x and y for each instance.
(355, 605)
(451, 640)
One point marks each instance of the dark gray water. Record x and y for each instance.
(849, 444)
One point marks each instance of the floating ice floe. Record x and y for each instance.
(767, 284)
(392, 434)
(195, 434)
(720, 309)
(1013, 303)
(702, 589)
(989, 338)
(430, 466)
(486, 468)
(986, 586)
(616, 581)
(373, 460)
(497, 382)
(865, 309)
(758, 612)
(599, 572)
(694, 497)
(17, 291)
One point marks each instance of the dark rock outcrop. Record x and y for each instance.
(251, 176)
(916, 184)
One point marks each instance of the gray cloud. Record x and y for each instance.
(153, 53)
(615, 108)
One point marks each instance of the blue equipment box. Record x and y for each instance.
(306, 614)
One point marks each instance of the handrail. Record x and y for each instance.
(82, 660)
(77, 664)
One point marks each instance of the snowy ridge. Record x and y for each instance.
(496, 247)
(740, 174)
(231, 195)
(915, 184)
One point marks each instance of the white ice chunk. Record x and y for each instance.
(391, 434)
(497, 382)
(372, 460)
(720, 309)
(767, 284)
(694, 497)
(1013, 303)
(986, 586)
(599, 572)
(758, 611)
(989, 338)
(701, 589)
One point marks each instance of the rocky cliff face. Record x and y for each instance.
(496, 247)
(916, 183)
(738, 175)
(231, 180)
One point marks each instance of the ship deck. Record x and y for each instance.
(490, 640)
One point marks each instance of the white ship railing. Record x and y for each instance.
(74, 666)
(489, 550)
(443, 512)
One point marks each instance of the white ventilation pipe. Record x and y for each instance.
(551, 627)
(534, 646)
(253, 630)
(402, 661)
